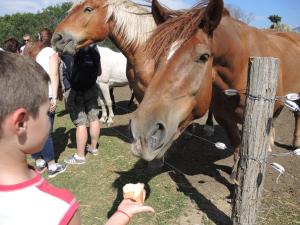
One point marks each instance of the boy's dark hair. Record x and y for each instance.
(23, 84)
(11, 45)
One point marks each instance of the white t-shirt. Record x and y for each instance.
(43, 58)
(36, 202)
(22, 49)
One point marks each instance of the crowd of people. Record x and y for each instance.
(26, 122)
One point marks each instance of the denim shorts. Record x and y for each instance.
(82, 105)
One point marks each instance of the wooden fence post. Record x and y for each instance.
(261, 90)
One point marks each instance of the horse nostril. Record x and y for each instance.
(56, 37)
(157, 136)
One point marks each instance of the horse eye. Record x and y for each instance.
(88, 9)
(203, 58)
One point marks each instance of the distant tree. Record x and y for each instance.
(20, 23)
(17, 24)
(239, 14)
(282, 27)
(275, 19)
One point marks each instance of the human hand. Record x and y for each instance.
(52, 105)
(130, 207)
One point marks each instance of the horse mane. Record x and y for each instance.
(133, 22)
(176, 29)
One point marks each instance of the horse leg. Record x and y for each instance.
(131, 100)
(296, 140)
(103, 108)
(111, 92)
(209, 124)
(271, 138)
(234, 137)
(105, 91)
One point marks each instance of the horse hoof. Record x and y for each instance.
(103, 120)
(269, 149)
(209, 130)
(109, 124)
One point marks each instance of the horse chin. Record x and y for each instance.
(82, 44)
(149, 154)
(70, 48)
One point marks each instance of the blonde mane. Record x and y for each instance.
(132, 22)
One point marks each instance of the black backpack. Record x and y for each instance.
(80, 71)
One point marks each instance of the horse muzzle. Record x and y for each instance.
(63, 43)
(152, 144)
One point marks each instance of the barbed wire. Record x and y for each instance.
(288, 100)
(222, 146)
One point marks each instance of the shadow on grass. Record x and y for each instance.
(61, 138)
(62, 113)
(138, 173)
(121, 132)
(190, 157)
(122, 108)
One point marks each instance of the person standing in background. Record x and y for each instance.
(49, 60)
(11, 45)
(26, 39)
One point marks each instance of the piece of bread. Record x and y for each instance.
(134, 192)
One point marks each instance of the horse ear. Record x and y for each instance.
(212, 16)
(160, 13)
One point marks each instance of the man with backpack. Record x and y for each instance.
(79, 75)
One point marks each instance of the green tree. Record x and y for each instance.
(17, 24)
(275, 19)
(20, 23)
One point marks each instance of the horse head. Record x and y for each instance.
(181, 88)
(85, 23)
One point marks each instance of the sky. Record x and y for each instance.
(289, 10)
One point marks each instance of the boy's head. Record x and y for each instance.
(23, 85)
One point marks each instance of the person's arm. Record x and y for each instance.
(75, 219)
(126, 210)
(54, 79)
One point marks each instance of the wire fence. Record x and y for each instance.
(276, 167)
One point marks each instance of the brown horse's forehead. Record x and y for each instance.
(85, 3)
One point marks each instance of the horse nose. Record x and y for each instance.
(157, 136)
(56, 37)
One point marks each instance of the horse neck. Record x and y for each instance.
(230, 49)
(129, 30)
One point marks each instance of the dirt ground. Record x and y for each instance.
(206, 169)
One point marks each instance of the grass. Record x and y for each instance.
(279, 209)
(98, 184)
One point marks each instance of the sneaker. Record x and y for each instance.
(74, 160)
(60, 168)
(40, 165)
(93, 151)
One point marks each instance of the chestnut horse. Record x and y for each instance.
(198, 55)
(126, 23)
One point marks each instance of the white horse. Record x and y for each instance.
(113, 65)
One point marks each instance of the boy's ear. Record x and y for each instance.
(19, 120)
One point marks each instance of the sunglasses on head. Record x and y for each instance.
(25, 40)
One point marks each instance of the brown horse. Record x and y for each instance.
(197, 56)
(126, 23)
